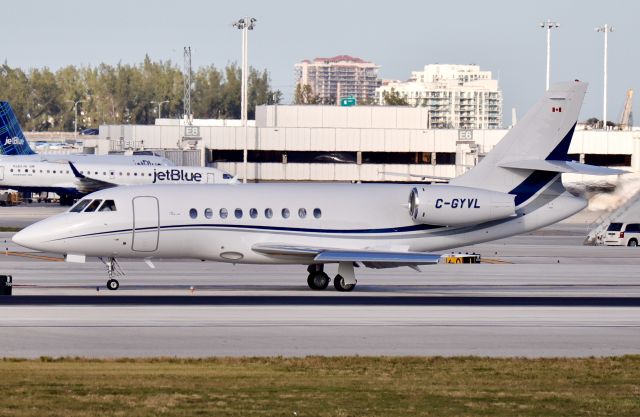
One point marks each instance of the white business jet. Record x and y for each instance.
(515, 189)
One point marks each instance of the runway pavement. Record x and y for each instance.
(543, 294)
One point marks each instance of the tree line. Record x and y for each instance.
(123, 94)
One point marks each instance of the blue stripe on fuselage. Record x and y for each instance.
(400, 229)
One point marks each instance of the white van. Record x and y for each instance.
(622, 234)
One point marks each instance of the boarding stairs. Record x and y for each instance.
(599, 225)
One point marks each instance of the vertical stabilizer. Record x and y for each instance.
(543, 134)
(12, 140)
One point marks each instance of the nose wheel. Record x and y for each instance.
(113, 269)
(113, 284)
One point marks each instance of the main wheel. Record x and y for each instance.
(632, 242)
(338, 282)
(318, 281)
(113, 284)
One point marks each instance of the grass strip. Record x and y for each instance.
(321, 386)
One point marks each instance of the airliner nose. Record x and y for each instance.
(27, 237)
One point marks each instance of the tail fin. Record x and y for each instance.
(12, 140)
(524, 162)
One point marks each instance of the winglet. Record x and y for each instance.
(75, 171)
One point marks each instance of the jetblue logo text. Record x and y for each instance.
(176, 175)
(458, 203)
(14, 141)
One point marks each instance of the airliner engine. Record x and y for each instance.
(449, 205)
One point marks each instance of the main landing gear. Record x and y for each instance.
(113, 269)
(344, 281)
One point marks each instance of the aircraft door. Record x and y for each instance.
(146, 224)
(211, 179)
(1, 173)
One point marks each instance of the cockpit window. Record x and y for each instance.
(80, 205)
(227, 176)
(93, 206)
(108, 205)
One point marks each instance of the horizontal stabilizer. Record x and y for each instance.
(565, 167)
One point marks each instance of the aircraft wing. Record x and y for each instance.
(88, 185)
(370, 258)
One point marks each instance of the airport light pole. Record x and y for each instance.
(245, 24)
(549, 25)
(605, 29)
(75, 115)
(160, 103)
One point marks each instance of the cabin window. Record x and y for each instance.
(268, 213)
(238, 213)
(317, 213)
(223, 213)
(193, 213)
(80, 205)
(302, 213)
(93, 206)
(208, 213)
(253, 213)
(285, 213)
(108, 205)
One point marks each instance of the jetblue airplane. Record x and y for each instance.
(14, 147)
(71, 181)
(515, 189)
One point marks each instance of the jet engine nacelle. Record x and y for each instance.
(449, 205)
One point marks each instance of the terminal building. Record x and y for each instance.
(456, 96)
(332, 143)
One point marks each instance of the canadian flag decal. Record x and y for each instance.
(556, 109)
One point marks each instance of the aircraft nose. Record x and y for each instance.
(28, 237)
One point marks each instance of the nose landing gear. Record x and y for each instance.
(113, 269)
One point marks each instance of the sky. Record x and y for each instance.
(502, 36)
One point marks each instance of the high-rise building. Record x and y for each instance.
(457, 96)
(339, 77)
